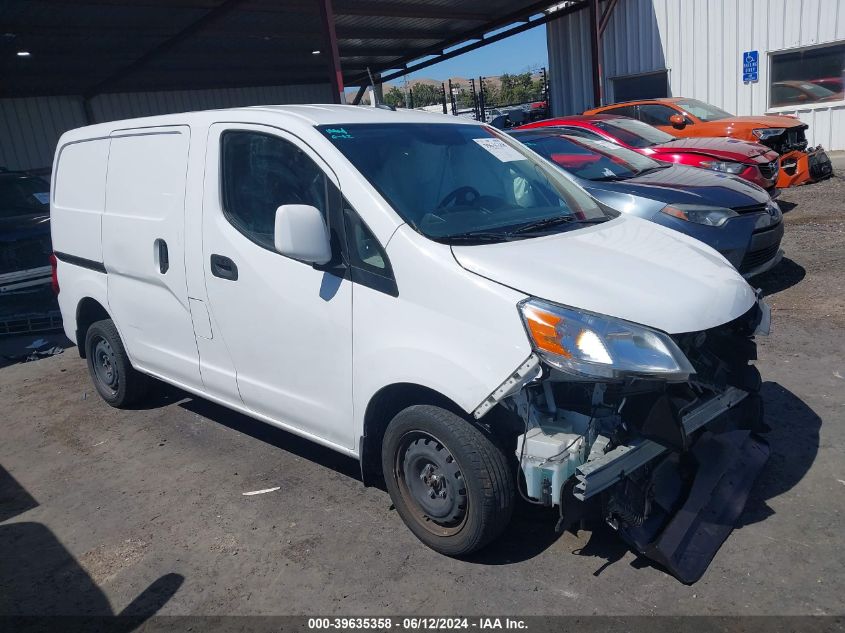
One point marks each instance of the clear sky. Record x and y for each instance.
(514, 54)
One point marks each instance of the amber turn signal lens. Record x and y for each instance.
(543, 328)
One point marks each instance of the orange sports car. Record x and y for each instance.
(690, 117)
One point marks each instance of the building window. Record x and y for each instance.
(648, 86)
(810, 75)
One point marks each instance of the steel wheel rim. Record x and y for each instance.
(105, 364)
(431, 483)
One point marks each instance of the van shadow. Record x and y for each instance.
(785, 275)
(274, 436)
(40, 578)
(794, 445)
(794, 441)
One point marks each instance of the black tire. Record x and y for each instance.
(449, 482)
(117, 382)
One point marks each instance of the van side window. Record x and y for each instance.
(261, 172)
(367, 259)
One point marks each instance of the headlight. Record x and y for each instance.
(700, 214)
(726, 166)
(764, 133)
(595, 346)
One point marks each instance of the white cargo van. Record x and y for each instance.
(429, 296)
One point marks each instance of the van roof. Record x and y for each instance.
(309, 115)
(328, 114)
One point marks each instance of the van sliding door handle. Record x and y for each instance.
(223, 267)
(162, 255)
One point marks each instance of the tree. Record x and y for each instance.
(426, 94)
(519, 88)
(395, 97)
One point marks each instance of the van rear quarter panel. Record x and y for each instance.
(79, 197)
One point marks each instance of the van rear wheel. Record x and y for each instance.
(117, 382)
(449, 482)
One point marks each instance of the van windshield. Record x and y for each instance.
(464, 183)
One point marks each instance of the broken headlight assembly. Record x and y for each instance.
(765, 133)
(700, 214)
(596, 346)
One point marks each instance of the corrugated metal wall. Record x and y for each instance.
(700, 42)
(30, 128)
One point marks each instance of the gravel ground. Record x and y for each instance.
(107, 511)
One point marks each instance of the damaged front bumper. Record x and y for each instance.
(668, 466)
(798, 167)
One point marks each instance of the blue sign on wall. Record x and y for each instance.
(750, 65)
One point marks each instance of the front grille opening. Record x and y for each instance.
(757, 258)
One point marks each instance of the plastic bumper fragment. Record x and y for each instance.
(729, 463)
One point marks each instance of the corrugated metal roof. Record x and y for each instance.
(94, 46)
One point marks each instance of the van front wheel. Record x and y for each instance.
(449, 482)
(113, 375)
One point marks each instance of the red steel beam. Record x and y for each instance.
(331, 52)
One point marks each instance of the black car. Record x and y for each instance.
(25, 246)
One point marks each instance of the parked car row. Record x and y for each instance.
(693, 118)
(432, 297)
(731, 215)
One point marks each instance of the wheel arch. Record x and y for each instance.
(381, 409)
(88, 311)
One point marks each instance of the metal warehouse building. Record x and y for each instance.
(696, 49)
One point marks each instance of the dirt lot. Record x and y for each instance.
(124, 511)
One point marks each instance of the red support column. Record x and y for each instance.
(335, 72)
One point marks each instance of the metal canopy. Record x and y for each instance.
(90, 47)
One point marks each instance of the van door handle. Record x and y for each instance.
(223, 267)
(163, 256)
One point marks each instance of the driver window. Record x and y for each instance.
(261, 172)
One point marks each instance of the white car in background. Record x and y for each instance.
(428, 296)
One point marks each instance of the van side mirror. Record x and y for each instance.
(678, 121)
(301, 233)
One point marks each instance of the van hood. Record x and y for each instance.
(628, 268)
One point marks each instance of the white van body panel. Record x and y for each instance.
(79, 197)
(287, 325)
(628, 268)
(444, 316)
(145, 215)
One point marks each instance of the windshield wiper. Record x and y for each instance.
(475, 236)
(653, 169)
(544, 223)
(613, 178)
(539, 225)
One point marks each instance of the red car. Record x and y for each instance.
(751, 161)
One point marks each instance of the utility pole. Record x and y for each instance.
(481, 108)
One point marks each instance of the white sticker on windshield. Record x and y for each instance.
(499, 149)
(43, 198)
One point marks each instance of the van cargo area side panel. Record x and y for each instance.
(79, 193)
